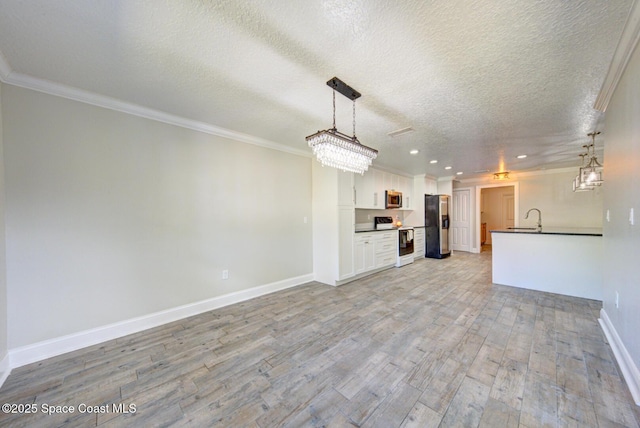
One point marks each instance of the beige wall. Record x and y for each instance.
(622, 192)
(551, 192)
(111, 216)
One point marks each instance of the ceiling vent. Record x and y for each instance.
(402, 131)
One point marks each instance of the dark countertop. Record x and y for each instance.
(585, 231)
(375, 230)
(386, 230)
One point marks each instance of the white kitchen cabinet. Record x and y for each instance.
(391, 181)
(333, 224)
(346, 192)
(364, 253)
(370, 189)
(386, 248)
(364, 190)
(406, 187)
(418, 242)
(375, 250)
(346, 222)
(378, 190)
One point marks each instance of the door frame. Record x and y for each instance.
(475, 248)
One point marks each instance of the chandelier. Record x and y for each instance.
(502, 175)
(590, 174)
(335, 149)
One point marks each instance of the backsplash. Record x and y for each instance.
(364, 218)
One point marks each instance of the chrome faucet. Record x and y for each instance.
(539, 218)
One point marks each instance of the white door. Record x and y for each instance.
(461, 220)
(508, 218)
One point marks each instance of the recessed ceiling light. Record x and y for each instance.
(447, 167)
(414, 152)
(459, 173)
(433, 161)
(521, 156)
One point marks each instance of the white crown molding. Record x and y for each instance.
(52, 88)
(628, 41)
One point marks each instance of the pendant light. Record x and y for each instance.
(590, 174)
(578, 184)
(335, 149)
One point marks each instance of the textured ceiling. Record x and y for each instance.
(480, 81)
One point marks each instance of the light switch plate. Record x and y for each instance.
(608, 217)
(631, 219)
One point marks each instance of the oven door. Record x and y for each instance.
(405, 237)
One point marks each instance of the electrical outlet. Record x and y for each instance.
(305, 220)
(617, 300)
(225, 274)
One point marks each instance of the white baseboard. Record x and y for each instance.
(5, 369)
(50, 348)
(629, 369)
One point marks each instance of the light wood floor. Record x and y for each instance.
(430, 344)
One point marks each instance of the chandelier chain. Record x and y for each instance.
(354, 120)
(334, 109)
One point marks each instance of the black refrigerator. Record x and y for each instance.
(436, 222)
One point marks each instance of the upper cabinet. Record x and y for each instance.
(406, 187)
(391, 181)
(369, 189)
(346, 189)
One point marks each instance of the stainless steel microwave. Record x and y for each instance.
(393, 199)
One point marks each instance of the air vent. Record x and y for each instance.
(401, 132)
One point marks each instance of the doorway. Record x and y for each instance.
(497, 208)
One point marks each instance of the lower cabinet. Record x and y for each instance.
(374, 250)
(364, 253)
(418, 242)
(386, 248)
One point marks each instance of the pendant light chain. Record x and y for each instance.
(354, 120)
(334, 109)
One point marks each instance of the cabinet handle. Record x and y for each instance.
(355, 196)
(375, 199)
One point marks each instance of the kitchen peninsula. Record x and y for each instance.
(557, 260)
